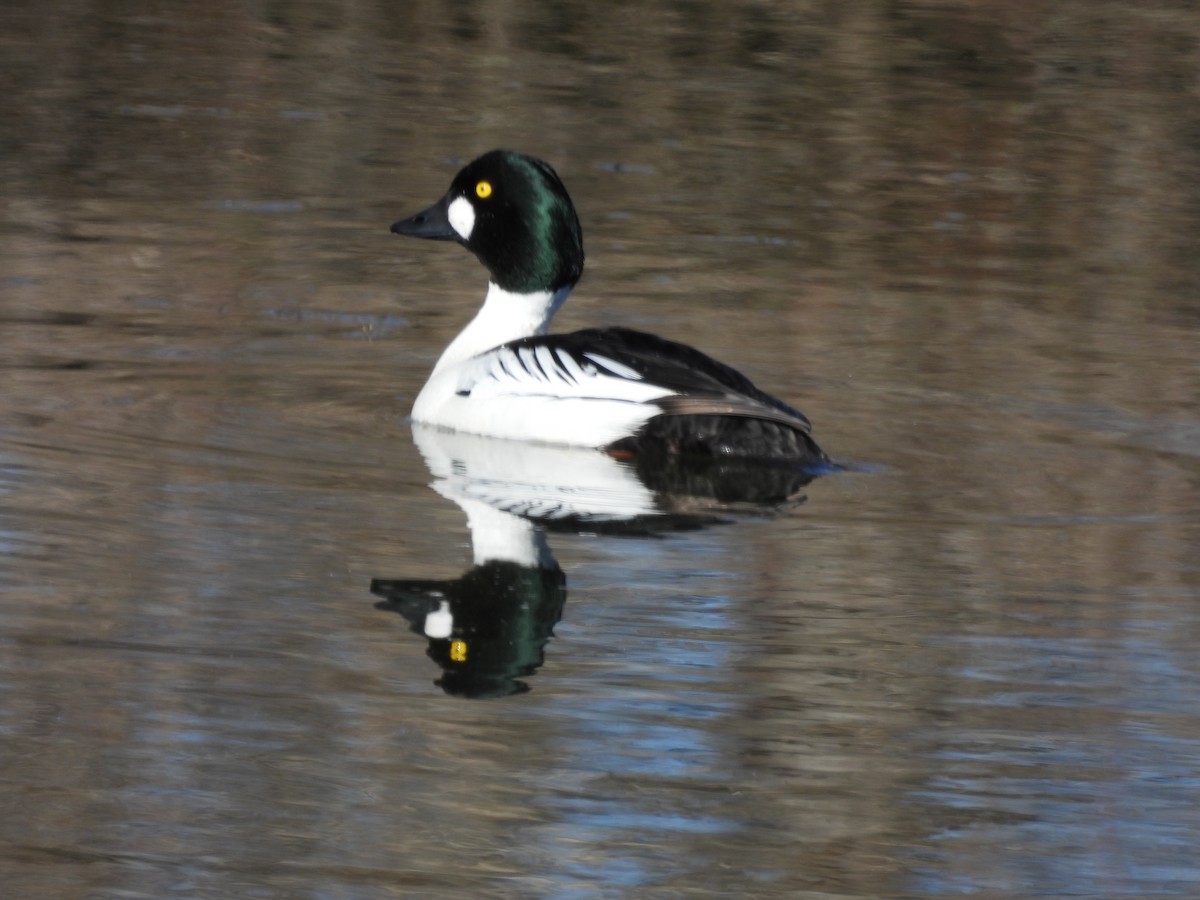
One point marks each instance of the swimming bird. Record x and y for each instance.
(613, 388)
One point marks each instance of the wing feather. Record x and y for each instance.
(551, 366)
(614, 367)
(624, 365)
(749, 409)
(545, 371)
(569, 365)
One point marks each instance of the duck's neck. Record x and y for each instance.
(504, 317)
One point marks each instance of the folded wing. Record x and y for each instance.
(625, 365)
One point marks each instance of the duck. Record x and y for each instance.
(615, 389)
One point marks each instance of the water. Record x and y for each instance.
(961, 239)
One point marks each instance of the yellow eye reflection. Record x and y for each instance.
(458, 649)
(483, 189)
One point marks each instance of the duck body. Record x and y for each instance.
(613, 388)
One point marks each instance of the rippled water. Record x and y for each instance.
(961, 238)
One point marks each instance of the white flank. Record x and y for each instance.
(506, 394)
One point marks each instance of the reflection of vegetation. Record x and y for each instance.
(1005, 116)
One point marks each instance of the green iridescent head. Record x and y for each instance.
(513, 213)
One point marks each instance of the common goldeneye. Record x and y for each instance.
(613, 388)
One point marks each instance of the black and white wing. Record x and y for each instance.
(558, 367)
(630, 392)
(622, 364)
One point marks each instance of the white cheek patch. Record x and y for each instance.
(462, 217)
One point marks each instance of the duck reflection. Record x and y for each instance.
(488, 628)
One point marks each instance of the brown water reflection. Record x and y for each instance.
(959, 236)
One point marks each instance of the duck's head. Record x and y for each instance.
(512, 212)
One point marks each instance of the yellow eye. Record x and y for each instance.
(458, 649)
(483, 189)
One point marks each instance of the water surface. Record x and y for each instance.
(961, 239)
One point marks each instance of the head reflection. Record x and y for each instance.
(487, 629)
